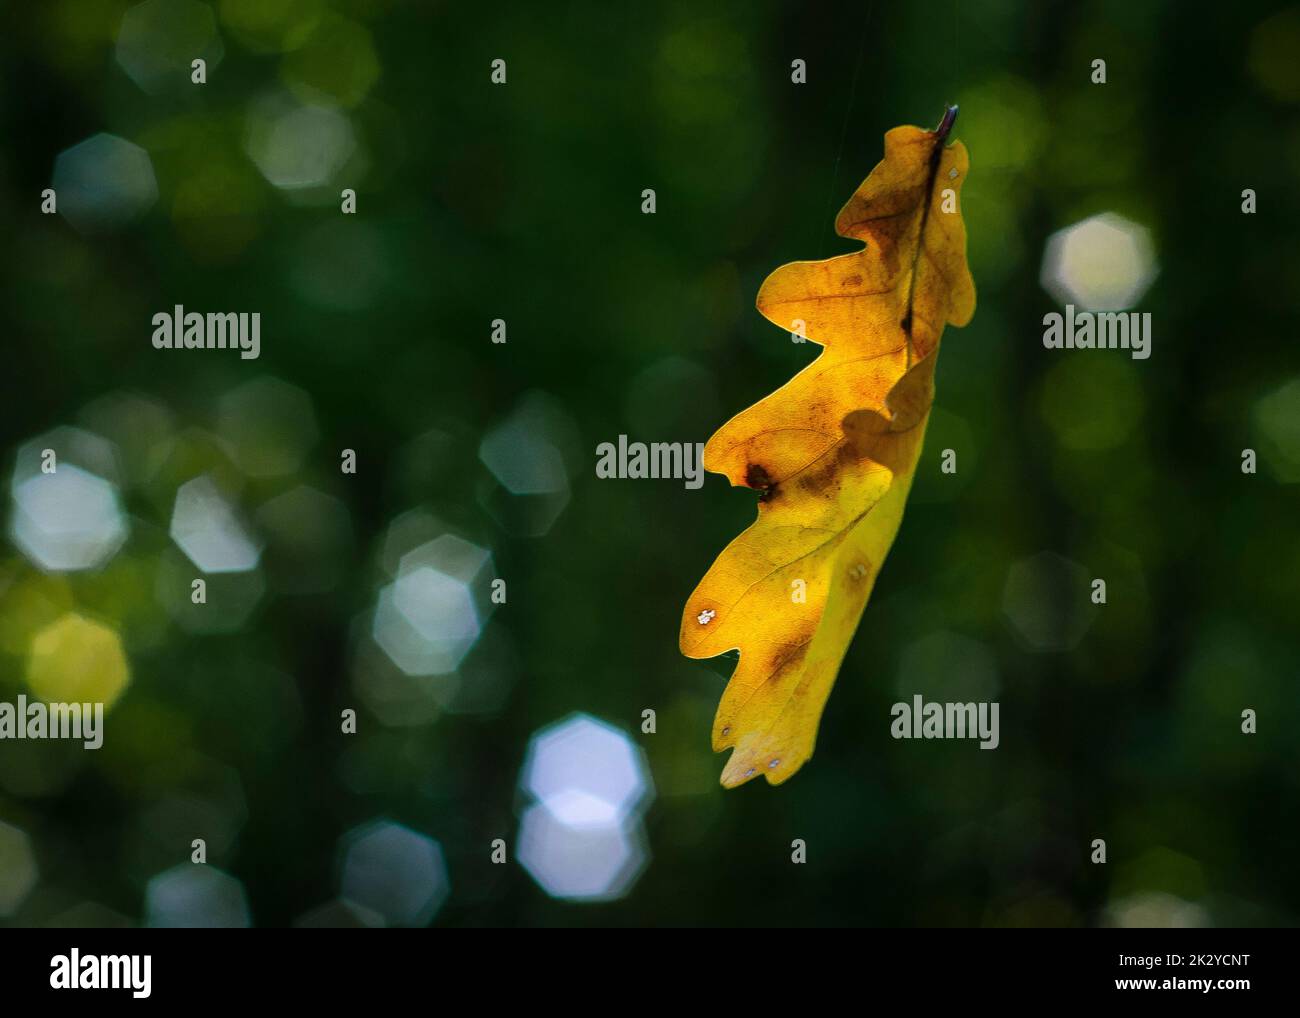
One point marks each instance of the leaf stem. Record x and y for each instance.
(945, 125)
(940, 136)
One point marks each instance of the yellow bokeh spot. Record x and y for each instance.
(75, 660)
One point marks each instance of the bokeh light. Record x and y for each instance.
(269, 424)
(159, 39)
(588, 862)
(582, 839)
(210, 805)
(427, 620)
(309, 540)
(1275, 422)
(66, 520)
(140, 428)
(67, 514)
(77, 660)
(391, 871)
(1046, 600)
(298, 146)
(103, 183)
(86, 449)
(524, 455)
(205, 526)
(194, 896)
(228, 598)
(591, 757)
(1103, 263)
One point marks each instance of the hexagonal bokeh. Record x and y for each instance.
(449, 555)
(103, 183)
(526, 456)
(393, 872)
(52, 449)
(447, 611)
(480, 684)
(211, 806)
(66, 513)
(193, 896)
(431, 463)
(1103, 263)
(158, 40)
(18, 872)
(441, 610)
(1047, 601)
(140, 428)
(67, 520)
(309, 540)
(523, 463)
(582, 840)
(430, 617)
(205, 527)
(269, 425)
(77, 660)
(591, 758)
(406, 533)
(580, 862)
(398, 698)
(228, 598)
(297, 146)
(1275, 428)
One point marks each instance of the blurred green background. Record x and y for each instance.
(476, 461)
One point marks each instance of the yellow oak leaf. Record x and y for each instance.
(833, 451)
